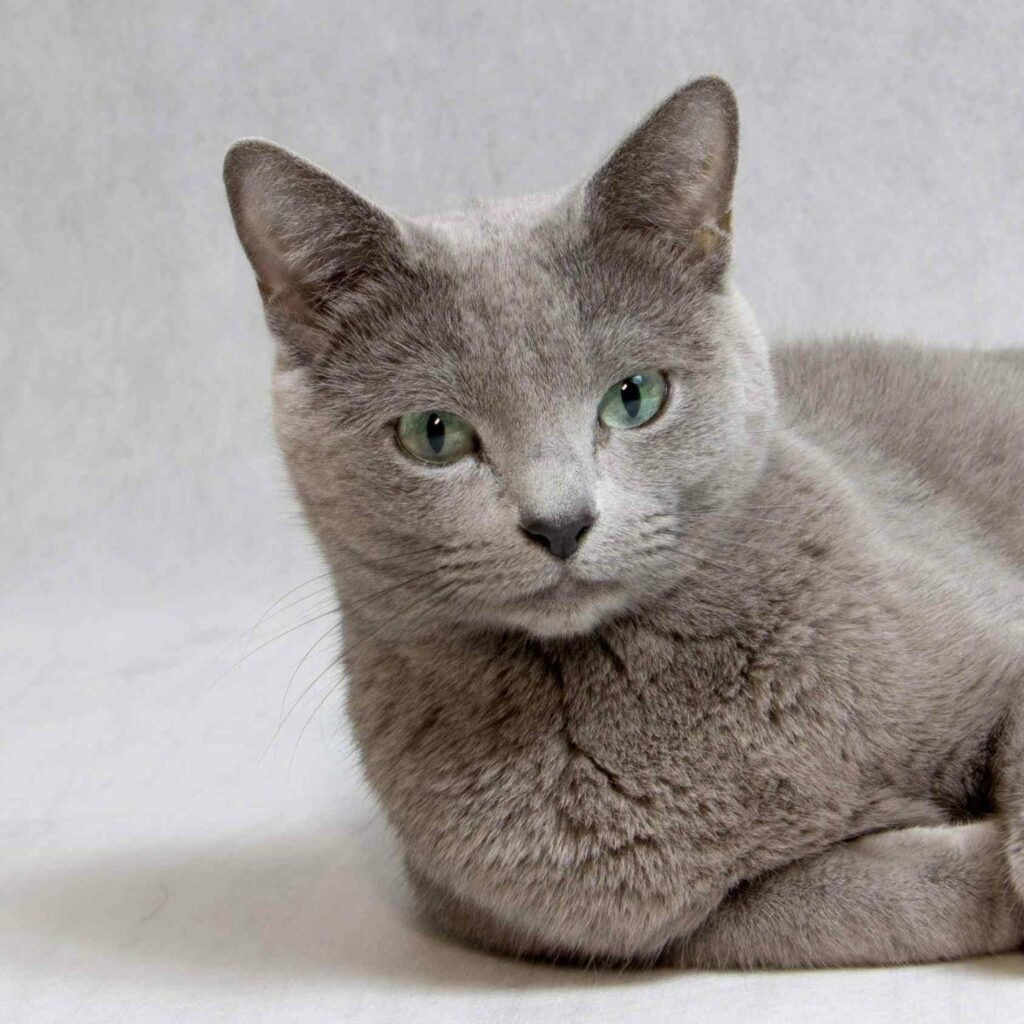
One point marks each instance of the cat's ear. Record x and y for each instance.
(670, 182)
(319, 250)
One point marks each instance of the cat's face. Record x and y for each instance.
(498, 424)
(501, 418)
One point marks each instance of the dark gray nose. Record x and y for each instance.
(560, 538)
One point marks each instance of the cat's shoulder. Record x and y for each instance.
(910, 423)
(853, 377)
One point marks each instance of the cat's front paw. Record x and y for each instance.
(988, 861)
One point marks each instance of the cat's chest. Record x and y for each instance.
(727, 743)
(706, 743)
(733, 712)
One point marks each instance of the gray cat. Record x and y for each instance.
(659, 646)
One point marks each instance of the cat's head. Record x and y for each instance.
(497, 417)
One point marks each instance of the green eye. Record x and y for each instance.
(435, 436)
(633, 401)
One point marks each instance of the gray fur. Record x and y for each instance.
(798, 619)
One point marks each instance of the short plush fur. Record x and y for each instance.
(771, 712)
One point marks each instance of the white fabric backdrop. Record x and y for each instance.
(152, 866)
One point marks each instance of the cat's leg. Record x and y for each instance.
(902, 896)
(1009, 772)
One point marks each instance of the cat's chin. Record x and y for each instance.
(564, 611)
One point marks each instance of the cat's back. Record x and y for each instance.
(916, 427)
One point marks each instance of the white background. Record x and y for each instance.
(152, 866)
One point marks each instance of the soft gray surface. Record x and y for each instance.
(151, 868)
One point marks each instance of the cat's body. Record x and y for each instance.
(859, 659)
(796, 614)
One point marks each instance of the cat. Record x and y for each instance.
(661, 646)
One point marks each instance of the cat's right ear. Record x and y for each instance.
(319, 250)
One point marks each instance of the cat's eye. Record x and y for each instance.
(633, 401)
(438, 437)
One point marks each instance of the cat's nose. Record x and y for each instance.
(561, 538)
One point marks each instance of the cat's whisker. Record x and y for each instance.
(279, 636)
(715, 583)
(683, 533)
(450, 565)
(340, 659)
(734, 515)
(305, 725)
(680, 535)
(334, 610)
(716, 563)
(758, 548)
(372, 562)
(291, 679)
(773, 508)
(283, 597)
(372, 596)
(299, 601)
(302, 696)
(439, 591)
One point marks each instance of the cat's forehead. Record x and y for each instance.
(501, 257)
(514, 306)
(504, 279)
(477, 223)
(525, 280)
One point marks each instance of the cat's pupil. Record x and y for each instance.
(435, 432)
(630, 393)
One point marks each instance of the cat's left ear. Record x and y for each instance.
(669, 184)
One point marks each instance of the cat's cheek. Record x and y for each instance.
(461, 495)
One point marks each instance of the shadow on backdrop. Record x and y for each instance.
(315, 903)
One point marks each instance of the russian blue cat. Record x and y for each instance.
(659, 645)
